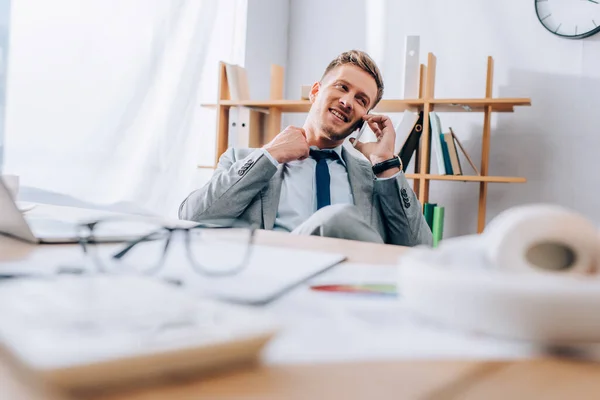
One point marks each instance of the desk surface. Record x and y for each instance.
(543, 378)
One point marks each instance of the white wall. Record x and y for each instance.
(554, 143)
(319, 30)
(266, 43)
(4, 34)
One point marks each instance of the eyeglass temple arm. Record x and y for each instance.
(132, 244)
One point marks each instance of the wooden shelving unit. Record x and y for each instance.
(426, 102)
(441, 105)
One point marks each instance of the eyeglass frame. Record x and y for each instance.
(87, 242)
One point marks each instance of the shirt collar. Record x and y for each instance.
(337, 149)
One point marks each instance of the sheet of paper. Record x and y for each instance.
(329, 327)
(337, 327)
(270, 273)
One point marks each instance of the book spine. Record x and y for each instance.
(435, 129)
(428, 214)
(438, 225)
(446, 155)
(454, 159)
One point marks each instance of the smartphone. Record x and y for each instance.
(361, 126)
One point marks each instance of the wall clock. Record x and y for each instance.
(573, 19)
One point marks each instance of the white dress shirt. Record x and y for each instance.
(298, 200)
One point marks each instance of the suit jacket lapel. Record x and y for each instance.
(360, 176)
(270, 198)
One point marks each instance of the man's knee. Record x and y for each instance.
(339, 220)
(342, 221)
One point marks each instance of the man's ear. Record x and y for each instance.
(314, 90)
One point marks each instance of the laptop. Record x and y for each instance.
(47, 230)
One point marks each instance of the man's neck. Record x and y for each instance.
(319, 139)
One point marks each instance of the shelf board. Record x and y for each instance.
(459, 178)
(391, 105)
(302, 106)
(478, 105)
(469, 178)
(284, 105)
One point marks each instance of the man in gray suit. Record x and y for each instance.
(305, 182)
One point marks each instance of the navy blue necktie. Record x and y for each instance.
(322, 175)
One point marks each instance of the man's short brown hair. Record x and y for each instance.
(363, 61)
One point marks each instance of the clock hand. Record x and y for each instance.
(593, 1)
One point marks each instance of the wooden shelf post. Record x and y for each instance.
(425, 150)
(222, 113)
(485, 146)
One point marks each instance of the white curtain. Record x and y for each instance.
(104, 96)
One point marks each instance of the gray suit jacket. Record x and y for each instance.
(246, 186)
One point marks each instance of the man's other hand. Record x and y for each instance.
(288, 145)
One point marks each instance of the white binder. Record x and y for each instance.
(411, 67)
(246, 127)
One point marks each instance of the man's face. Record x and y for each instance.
(340, 100)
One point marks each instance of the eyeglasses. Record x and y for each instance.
(211, 250)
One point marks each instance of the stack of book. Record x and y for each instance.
(445, 147)
(434, 215)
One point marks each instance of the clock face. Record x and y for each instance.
(574, 19)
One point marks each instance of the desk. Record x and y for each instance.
(470, 379)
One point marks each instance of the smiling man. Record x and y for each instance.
(306, 182)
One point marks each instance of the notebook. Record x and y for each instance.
(81, 332)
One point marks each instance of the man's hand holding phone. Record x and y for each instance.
(361, 129)
(289, 145)
(383, 148)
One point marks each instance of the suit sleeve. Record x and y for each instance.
(402, 213)
(231, 189)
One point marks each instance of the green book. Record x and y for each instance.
(446, 153)
(428, 213)
(438, 225)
